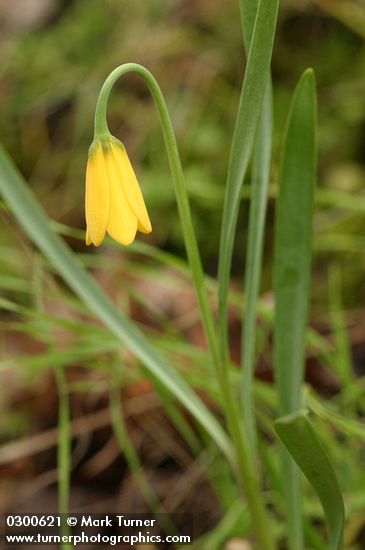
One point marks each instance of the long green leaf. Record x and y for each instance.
(253, 89)
(300, 439)
(248, 17)
(255, 238)
(292, 272)
(293, 243)
(255, 241)
(348, 426)
(36, 224)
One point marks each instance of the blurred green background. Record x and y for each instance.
(55, 55)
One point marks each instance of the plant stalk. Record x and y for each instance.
(246, 469)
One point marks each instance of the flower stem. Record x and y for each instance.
(245, 466)
(101, 130)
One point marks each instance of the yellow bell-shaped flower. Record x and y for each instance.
(113, 200)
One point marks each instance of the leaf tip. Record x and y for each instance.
(308, 77)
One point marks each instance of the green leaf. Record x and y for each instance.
(255, 240)
(293, 243)
(292, 273)
(299, 437)
(36, 224)
(248, 16)
(253, 89)
(348, 426)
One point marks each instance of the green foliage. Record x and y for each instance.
(293, 243)
(46, 126)
(300, 439)
(292, 273)
(34, 221)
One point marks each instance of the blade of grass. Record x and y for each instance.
(126, 446)
(292, 272)
(234, 519)
(64, 417)
(36, 224)
(258, 204)
(248, 17)
(253, 89)
(346, 425)
(260, 181)
(63, 450)
(299, 437)
(176, 416)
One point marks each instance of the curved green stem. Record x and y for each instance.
(102, 131)
(246, 468)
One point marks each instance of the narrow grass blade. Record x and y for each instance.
(64, 439)
(248, 17)
(36, 224)
(126, 445)
(260, 184)
(348, 426)
(299, 437)
(63, 450)
(258, 204)
(292, 272)
(129, 451)
(253, 89)
(176, 416)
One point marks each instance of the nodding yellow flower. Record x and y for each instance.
(113, 200)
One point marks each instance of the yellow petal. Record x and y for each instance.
(88, 238)
(122, 223)
(96, 196)
(130, 185)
